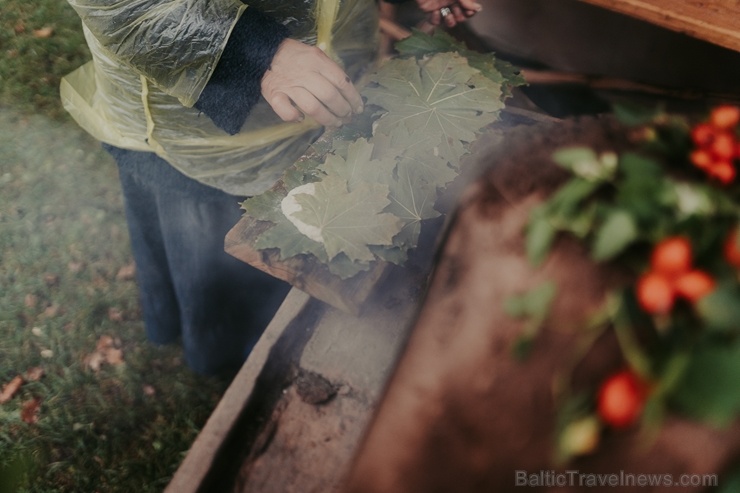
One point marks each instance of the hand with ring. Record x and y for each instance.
(449, 14)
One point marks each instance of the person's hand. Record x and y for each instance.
(447, 12)
(302, 80)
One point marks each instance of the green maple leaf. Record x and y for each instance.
(428, 167)
(344, 268)
(348, 221)
(395, 255)
(441, 97)
(291, 242)
(264, 207)
(303, 171)
(359, 166)
(420, 44)
(417, 143)
(413, 192)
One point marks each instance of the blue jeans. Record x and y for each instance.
(190, 288)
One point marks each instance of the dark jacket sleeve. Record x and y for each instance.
(235, 86)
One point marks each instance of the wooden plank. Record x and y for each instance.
(200, 459)
(715, 21)
(324, 410)
(303, 272)
(270, 433)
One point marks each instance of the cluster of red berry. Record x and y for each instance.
(717, 146)
(671, 276)
(622, 395)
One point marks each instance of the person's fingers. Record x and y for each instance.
(435, 18)
(331, 97)
(449, 14)
(341, 82)
(457, 13)
(431, 5)
(470, 6)
(282, 105)
(307, 102)
(313, 82)
(333, 74)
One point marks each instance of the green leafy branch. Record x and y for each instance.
(621, 206)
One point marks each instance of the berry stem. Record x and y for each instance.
(631, 350)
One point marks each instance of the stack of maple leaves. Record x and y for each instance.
(361, 196)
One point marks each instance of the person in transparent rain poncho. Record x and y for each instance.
(203, 103)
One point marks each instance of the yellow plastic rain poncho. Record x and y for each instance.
(152, 59)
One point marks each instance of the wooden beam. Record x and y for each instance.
(199, 462)
(715, 21)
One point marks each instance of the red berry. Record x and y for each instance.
(655, 293)
(725, 116)
(702, 134)
(621, 399)
(672, 256)
(731, 248)
(694, 285)
(723, 171)
(723, 146)
(701, 158)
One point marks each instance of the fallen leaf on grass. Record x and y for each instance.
(107, 351)
(34, 374)
(30, 411)
(10, 389)
(114, 356)
(94, 361)
(104, 342)
(31, 300)
(127, 272)
(99, 282)
(44, 32)
(51, 311)
(51, 280)
(115, 314)
(19, 27)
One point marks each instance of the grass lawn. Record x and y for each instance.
(99, 409)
